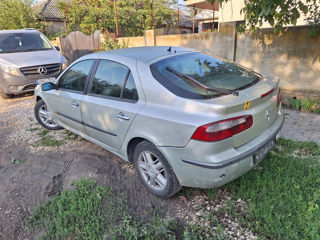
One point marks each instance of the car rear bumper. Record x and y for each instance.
(199, 164)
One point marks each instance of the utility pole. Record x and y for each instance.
(116, 17)
(194, 14)
(152, 20)
(178, 23)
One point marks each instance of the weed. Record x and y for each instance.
(283, 199)
(71, 135)
(49, 142)
(43, 133)
(74, 214)
(305, 104)
(33, 129)
(295, 103)
(16, 161)
(91, 211)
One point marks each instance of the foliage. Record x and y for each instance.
(279, 13)
(111, 43)
(18, 14)
(282, 193)
(305, 104)
(92, 211)
(133, 16)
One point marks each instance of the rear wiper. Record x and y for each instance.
(198, 84)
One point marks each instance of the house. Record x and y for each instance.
(231, 11)
(51, 15)
(207, 18)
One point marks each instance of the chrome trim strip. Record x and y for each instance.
(236, 158)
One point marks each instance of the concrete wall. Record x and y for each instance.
(132, 41)
(289, 55)
(220, 43)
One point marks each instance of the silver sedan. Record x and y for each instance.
(182, 117)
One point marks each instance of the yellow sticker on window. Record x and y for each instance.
(247, 105)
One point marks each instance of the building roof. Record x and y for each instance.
(48, 10)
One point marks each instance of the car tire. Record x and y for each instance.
(40, 111)
(5, 95)
(154, 170)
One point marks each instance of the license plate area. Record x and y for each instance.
(263, 151)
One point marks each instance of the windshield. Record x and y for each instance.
(22, 42)
(210, 71)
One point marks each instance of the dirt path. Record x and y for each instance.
(36, 164)
(31, 172)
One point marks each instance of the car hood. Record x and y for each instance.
(26, 59)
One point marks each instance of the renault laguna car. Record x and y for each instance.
(182, 117)
(26, 56)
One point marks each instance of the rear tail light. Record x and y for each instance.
(223, 129)
(279, 97)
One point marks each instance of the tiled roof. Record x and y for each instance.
(48, 10)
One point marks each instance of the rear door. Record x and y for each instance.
(112, 103)
(66, 101)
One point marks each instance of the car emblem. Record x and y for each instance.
(42, 70)
(267, 115)
(247, 105)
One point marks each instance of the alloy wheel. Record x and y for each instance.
(152, 170)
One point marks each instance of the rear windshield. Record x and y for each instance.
(210, 71)
(23, 42)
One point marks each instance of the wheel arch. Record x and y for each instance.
(132, 145)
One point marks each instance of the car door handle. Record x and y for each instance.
(75, 104)
(122, 116)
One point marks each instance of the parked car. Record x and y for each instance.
(26, 56)
(182, 117)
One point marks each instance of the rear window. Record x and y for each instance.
(210, 71)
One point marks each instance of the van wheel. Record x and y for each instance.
(5, 95)
(154, 170)
(43, 116)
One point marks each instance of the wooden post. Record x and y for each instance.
(116, 17)
(213, 20)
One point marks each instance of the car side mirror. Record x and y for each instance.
(48, 86)
(57, 48)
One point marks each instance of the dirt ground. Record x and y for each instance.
(31, 172)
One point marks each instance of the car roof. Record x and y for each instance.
(145, 54)
(20, 31)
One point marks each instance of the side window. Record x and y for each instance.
(75, 77)
(110, 79)
(130, 91)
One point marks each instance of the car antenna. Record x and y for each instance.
(169, 49)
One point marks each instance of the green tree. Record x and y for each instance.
(17, 14)
(279, 13)
(133, 16)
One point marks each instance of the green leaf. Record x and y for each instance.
(16, 161)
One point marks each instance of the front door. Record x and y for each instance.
(65, 102)
(111, 104)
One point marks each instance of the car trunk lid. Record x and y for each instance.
(258, 100)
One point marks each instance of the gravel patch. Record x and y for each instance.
(212, 213)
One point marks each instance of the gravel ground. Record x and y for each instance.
(31, 171)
